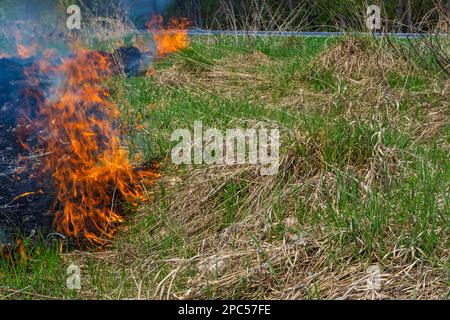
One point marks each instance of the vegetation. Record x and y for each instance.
(363, 179)
(398, 15)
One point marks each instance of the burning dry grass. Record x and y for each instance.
(77, 128)
(85, 158)
(360, 188)
(172, 38)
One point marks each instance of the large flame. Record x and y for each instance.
(85, 158)
(172, 38)
(76, 121)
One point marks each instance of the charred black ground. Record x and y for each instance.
(27, 215)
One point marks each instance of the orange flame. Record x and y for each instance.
(172, 38)
(88, 165)
(22, 250)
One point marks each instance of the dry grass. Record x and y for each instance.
(246, 260)
(359, 58)
(227, 232)
(360, 185)
(231, 76)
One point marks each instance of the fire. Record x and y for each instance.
(87, 163)
(76, 123)
(26, 194)
(172, 38)
(22, 250)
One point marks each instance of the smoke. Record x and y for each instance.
(136, 11)
(24, 9)
(140, 11)
(44, 21)
(53, 12)
(29, 21)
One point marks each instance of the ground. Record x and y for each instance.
(362, 185)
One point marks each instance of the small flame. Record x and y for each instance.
(26, 194)
(22, 250)
(172, 38)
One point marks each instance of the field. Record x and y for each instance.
(362, 183)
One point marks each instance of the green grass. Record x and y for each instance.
(36, 274)
(362, 181)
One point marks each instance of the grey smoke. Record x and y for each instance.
(138, 11)
(141, 11)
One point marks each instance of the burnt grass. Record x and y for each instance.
(362, 184)
(20, 216)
